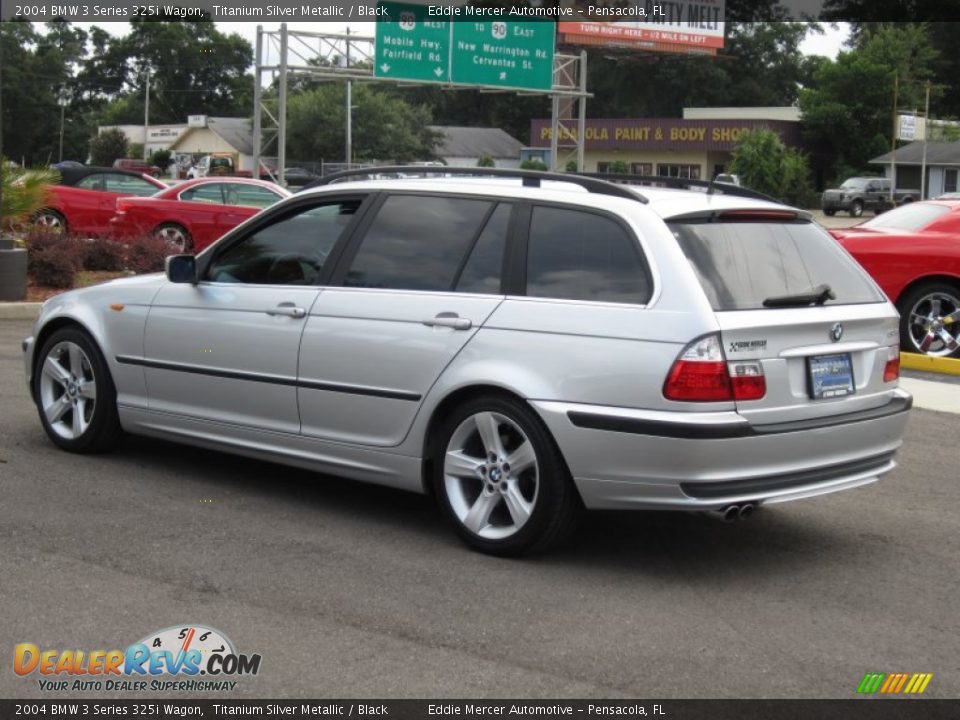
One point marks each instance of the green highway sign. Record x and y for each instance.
(412, 45)
(503, 54)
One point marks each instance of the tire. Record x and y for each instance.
(51, 219)
(829, 213)
(930, 320)
(177, 235)
(74, 393)
(856, 210)
(493, 507)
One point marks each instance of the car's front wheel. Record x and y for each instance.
(501, 480)
(856, 210)
(930, 320)
(74, 393)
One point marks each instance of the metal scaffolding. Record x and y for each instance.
(284, 54)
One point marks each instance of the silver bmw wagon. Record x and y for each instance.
(519, 347)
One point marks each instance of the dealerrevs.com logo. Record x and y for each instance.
(180, 658)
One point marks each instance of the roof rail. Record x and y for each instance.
(683, 184)
(531, 178)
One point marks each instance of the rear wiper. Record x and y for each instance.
(818, 296)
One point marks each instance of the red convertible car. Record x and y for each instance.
(913, 252)
(194, 213)
(85, 199)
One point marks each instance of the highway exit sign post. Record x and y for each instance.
(511, 55)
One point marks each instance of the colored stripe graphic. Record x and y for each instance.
(894, 683)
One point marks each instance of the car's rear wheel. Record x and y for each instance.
(51, 220)
(856, 210)
(930, 320)
(501, 480)
(176, 236)
(74, 393)
(829, 213)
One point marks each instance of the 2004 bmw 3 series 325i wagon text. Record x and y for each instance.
(520, 349)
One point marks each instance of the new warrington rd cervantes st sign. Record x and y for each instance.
(413, 44)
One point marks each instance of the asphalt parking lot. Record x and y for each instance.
(348, 590)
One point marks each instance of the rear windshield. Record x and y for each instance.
(742, 264)
(912, 216)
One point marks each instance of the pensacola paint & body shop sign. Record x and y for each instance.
(670, 25)
(664, 134)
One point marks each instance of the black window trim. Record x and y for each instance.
(346, 258)
(521, 255)
(368, 199)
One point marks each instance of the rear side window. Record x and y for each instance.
(417, 243)
(577, 255)
(742, 264)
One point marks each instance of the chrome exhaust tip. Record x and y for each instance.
(726, 514)
(746, 510)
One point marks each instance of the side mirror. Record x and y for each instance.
(182, 269)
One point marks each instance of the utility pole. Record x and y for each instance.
(893, 152)
(349, 141)
(146, 114)
(926, 127)
(62, 99)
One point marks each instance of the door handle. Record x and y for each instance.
(288, 309)
(450, 320)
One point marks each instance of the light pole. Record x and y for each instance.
(146, 112)
(62, 102)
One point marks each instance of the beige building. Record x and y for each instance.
(697, 146)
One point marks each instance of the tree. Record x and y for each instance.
(384, 126)
(764, 163)
(162, 159)
(107, 147)
(23, 192)
(848, 109)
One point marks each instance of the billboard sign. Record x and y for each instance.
(681, 26)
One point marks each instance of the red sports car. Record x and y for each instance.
(86, 198)
(194, 213)
(913, 252)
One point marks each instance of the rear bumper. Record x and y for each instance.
(623, 459)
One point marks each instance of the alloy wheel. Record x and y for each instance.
(491, 475)
(934, 324)
(68, 390)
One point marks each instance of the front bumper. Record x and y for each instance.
(834, 204)
(631, 459)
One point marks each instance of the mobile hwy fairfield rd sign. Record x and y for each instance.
(414, 43)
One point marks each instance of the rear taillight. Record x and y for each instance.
(701, 374)
(891, 371)
(122, 206)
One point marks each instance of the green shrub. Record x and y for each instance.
(533, 164)
(485, 161)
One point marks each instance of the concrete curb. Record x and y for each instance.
(926, 363)
(19, 310)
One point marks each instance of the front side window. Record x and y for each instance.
(207, 193)
(418, 243)
(92, 182)
(577, 255)
(129, 185)
(291, 251)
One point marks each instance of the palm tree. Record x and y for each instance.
(24, 191)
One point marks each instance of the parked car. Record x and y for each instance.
(913, 253)
(85, 199)
(141, 166)
(298, 177)
(520, 348)
(864, 193)
(193, 214)
(727, 179)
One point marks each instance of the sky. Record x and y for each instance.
(828, 44)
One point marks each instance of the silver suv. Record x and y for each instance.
(519, 347)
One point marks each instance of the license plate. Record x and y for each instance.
(831, 376)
